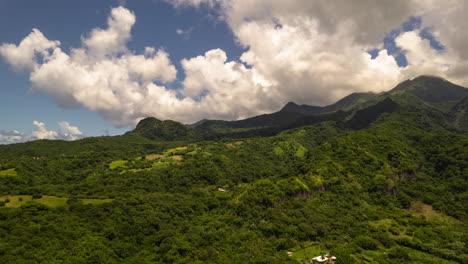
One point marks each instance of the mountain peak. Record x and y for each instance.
(289, 106)
(432, 89)
(168, 130)
(201, 122)
(302, 109)
(429, 78)
(147, 122)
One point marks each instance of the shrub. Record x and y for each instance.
(394, 230)
(366, 243)
(37, 196)
(398, 253)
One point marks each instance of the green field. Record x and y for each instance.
(9, 172)
(16, 201)
(307, 251)
(96, 201)
(118, 164)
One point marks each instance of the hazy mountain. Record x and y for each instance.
(346, 102)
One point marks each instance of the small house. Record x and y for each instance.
(327, 258)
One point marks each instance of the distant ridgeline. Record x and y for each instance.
(442, 103)
(373, 178)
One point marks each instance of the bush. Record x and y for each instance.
(366, 243)
(394, 230)
(384, 239)
(398, 253)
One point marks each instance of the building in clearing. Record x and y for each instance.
(327, 258)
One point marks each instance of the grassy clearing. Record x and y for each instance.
(301, 152)
(177, 157)
(154, 157)
(420, 209)
(278, 151)
(9, 172)
(52, 201)
(161, 164)
(96, 201)
(234, 144)
(118, 164)
(307, 251)
(16, 201)
(176, 151)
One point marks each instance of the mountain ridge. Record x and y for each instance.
(357, 110)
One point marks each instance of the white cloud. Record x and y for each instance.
(102, 75)
(315, 52)
(231, 90)
(42, 133)
(108, 42)
(312, 52)
(423, 58)
(66, 132)
(185, 34)
(69, 132)
(25, 55)
(10, 137)
(196, 3)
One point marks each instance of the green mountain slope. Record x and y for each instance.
(432, 89)
(342, 104)
(382, 181)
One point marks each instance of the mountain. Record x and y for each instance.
(344, 103)
(432, 89)
(458, 114)
(167, 130)
(302, 109)
(364, 117)
(381, 180)
(433, 96)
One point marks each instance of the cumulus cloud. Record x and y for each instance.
(69, 132)
(311, 52)
(226, 88)
(25, 55)
(12, 136)
(66, 132)
(42, 133)
(102, 42)
(102, 75)
(315, 52)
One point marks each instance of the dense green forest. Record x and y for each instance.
(377, 180)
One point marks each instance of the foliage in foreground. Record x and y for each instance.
(390, 193)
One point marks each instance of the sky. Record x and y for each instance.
(73, 69)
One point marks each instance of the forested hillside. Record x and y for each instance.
(382, 180)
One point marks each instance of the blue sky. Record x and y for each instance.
(157, 23)
(209, 59)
